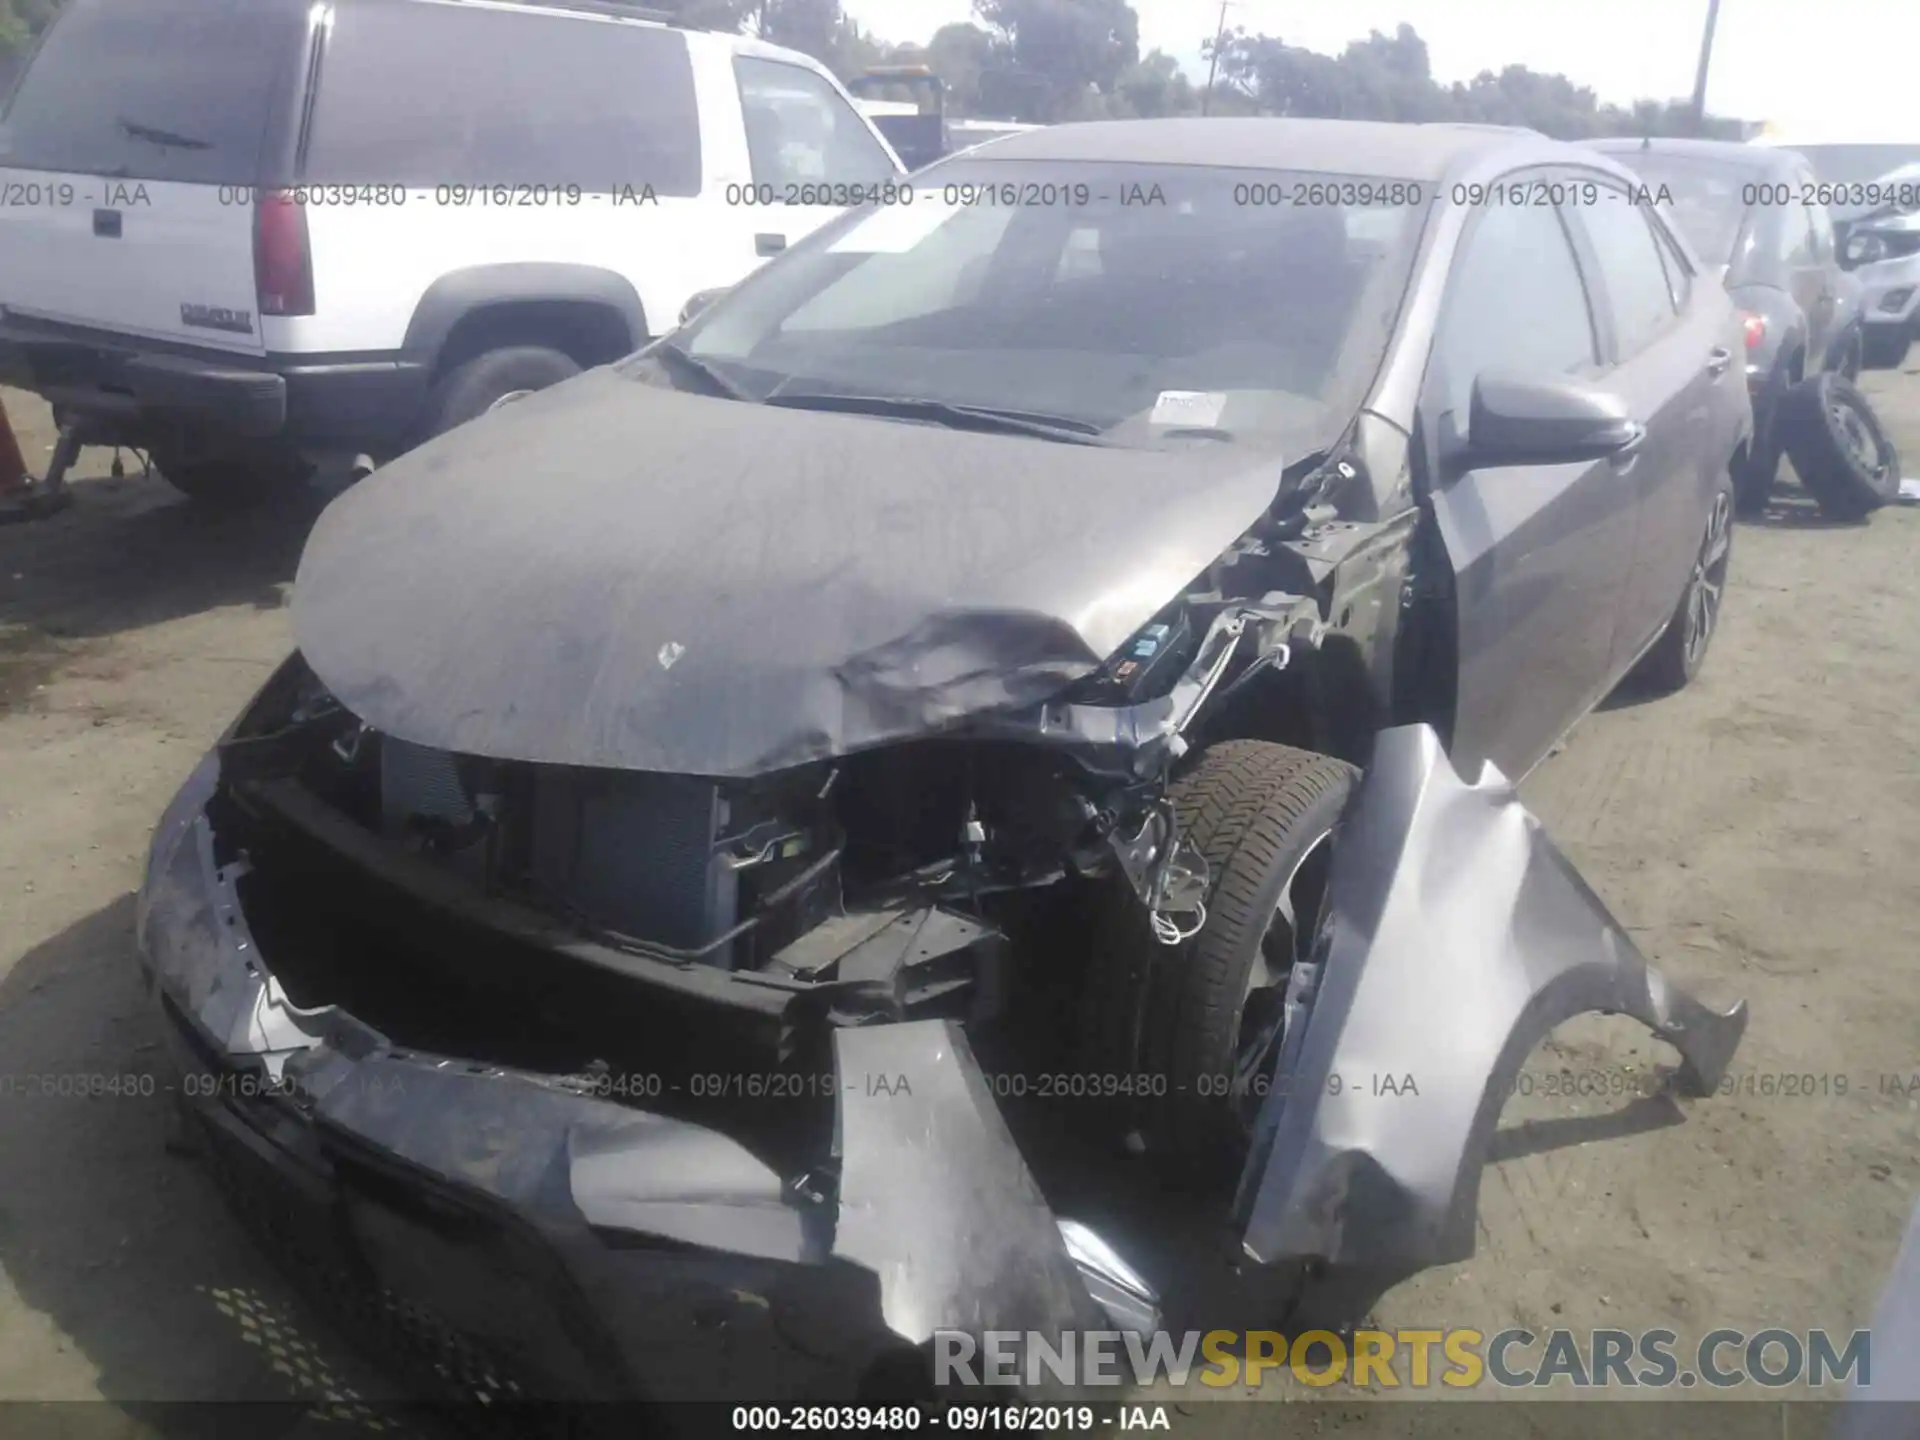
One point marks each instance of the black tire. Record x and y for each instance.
(1884, 347)
(232, 480)
(1676, 657)
(477, 385)
(1839, 448)
(1262, 815)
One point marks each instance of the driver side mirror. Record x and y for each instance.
(1533, 420)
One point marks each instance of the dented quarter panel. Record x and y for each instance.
(1457, 936)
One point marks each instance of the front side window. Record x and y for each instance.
(450, 95)
(801, 131)
(1679, 273)
(1631, 271)
(1515, 303)
(1141, 300)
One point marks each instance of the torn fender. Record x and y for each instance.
(1456, 937)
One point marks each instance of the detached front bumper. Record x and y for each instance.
(556, 1243)
(527, 1239)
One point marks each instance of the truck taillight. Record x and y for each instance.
(282, 261)
(1755, 327)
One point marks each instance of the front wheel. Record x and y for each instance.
(1204, 1019)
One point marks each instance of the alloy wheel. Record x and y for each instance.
(1857, 439)
(1709, 581)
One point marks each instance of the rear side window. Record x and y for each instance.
(1679, 277)
(155, 89)
(1514, 302)
(1630, 268)
(800, 131)
(427, 95)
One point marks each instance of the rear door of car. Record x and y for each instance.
(1668, 359)
(128, 153)
(1538, 551)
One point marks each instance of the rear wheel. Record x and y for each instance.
(1681, 650)
(492, 379)
(232, 479)
(1839, 448)
(1205, 1016)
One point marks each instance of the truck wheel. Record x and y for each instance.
(1205, 1015)
(232, 480)
(494, 378)
(1839, 448)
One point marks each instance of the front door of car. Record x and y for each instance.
(1539, 551)
(1667, 361)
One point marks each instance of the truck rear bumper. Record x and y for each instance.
(144, 388)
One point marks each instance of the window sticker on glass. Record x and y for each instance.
(896, 229)
(1199, 408)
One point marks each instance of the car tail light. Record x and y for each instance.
(282, 260)
(1756, 330)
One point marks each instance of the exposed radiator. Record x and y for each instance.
(636, 853)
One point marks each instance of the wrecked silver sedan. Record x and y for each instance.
(776, 849)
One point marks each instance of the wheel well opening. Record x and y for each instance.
(585, 333)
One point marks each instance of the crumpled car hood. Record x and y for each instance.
(613, 575)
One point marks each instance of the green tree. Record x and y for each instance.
(1154, 87)
(1061, 52)
(960, 55)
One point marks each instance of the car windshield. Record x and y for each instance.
(1708, 199)
(1148, 304)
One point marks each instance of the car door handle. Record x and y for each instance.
(765, 245)
(1718, 359)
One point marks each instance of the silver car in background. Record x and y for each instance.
(1873, 194)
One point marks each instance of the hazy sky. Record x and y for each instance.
(1841, 68)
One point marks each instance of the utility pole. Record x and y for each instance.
(1700, 75)
(1213, 62)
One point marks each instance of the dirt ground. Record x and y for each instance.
(1758, 835)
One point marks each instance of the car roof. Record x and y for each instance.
(1734, 154)
(1331, 147)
